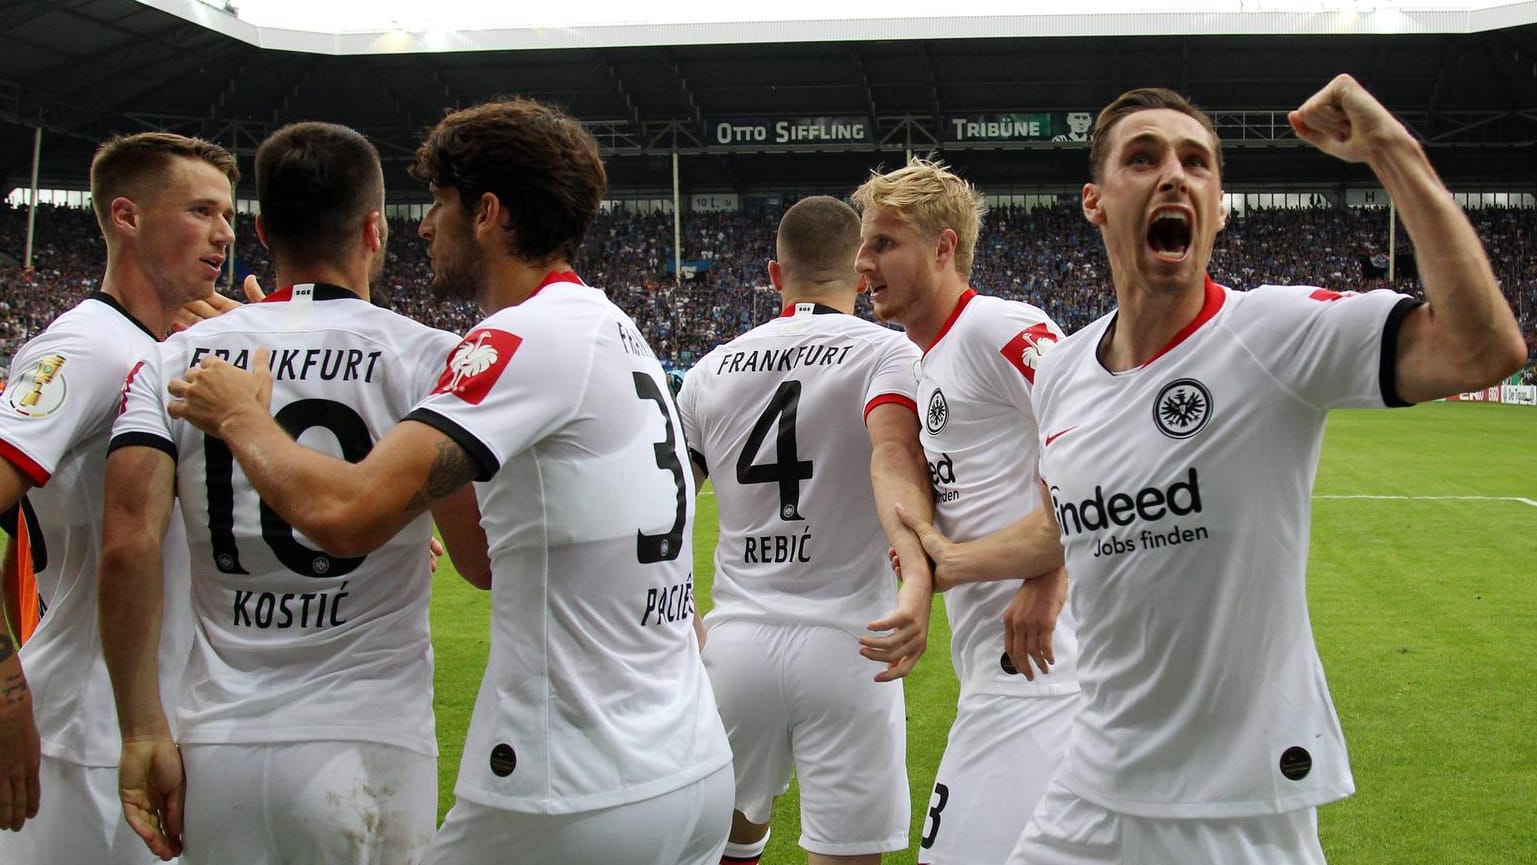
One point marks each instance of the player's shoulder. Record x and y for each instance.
(1267, 307)
(989, 314)
(96, 329)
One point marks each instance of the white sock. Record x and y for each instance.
(745, 854)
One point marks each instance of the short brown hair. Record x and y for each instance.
(316, 183)
(930, 197)
(125, 165)
(817, 240)
(539, 162)
(1144, 99)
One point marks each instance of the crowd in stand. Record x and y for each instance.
(1048, 256)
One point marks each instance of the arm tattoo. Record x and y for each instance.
(13, 687)
(451, 470)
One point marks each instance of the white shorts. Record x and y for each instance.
(800, 698)
(80, 819)
(999, 759)
(685, 827)
(320, 803)
(1068, 830)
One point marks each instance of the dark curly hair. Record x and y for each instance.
(538, 161)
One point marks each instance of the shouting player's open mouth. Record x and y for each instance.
(1169, 234)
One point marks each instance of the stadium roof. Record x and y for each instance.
(1464, 80)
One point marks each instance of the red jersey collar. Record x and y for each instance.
(960, 304)
(555, 276)
(1210, 305)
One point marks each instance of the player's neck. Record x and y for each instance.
(929, 316)
(510, 281)
(1146, 320)
(131, 287)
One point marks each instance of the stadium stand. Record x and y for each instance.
(1048, 256)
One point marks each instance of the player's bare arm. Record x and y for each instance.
(458, 519)
(1031, 617)
(20, 746)
(899, 478)
(349, 509)
(1028, 546)
(1466, 336)
(140, 491)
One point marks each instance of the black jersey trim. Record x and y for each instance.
(111, 301)
(143, 440)
(489, 465)
(1387, 370)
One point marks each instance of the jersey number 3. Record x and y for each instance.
(664, 547)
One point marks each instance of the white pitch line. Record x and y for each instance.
(1441, 498)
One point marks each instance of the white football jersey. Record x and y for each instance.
(776, 416)
(1182, 488)
(979, 435)
(294, 644)
(66, 386)
(594, 694)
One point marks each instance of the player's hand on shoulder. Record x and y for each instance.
(1030, 620)
(215, 305)
(1347, 122)
(215, 391)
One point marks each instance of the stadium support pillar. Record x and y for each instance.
(1392, 239)
(677, 224)
(37, 153)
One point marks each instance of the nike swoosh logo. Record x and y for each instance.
(1056, 435)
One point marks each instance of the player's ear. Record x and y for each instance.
(1091, 204)
(945, 244)
(123, 215)
(373, 231)
(776, 276)
(261, 231)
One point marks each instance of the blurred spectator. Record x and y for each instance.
(1048, 256)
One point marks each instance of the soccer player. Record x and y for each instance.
(1180, 437)
(307, 734)
(165, 207)
(919, 230)
(806, 423)
(595, 737)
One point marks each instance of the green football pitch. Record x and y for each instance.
(1423, 586)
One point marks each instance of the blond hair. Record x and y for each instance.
(930, 198)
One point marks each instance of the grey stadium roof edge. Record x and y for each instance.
(81, 70)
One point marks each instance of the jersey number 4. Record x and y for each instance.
(297, 417)
(788, 469)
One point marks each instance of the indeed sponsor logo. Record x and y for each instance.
(942, 470)
(1149, 504)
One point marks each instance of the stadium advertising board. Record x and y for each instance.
(1040, 126)
(759, 132)
(1510, 394)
